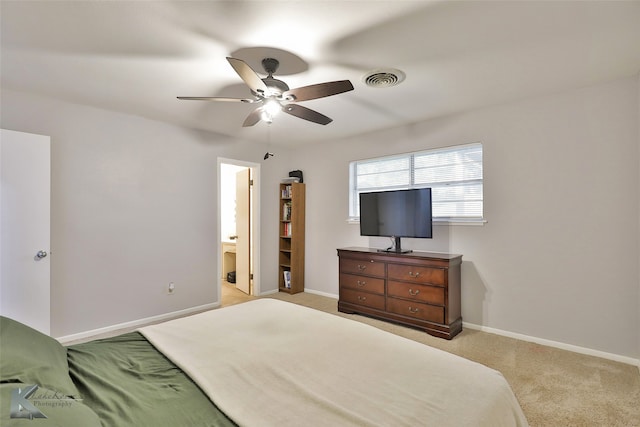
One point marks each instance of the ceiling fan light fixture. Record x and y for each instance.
(266, 117)
(269, 110)
(382, 78)
(272, 107)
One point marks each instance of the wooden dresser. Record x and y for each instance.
(417, 289)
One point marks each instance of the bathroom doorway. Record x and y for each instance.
(238, 213)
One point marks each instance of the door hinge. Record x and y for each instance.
(250, 182)
(251, 276)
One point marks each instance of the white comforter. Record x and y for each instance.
(272, 363)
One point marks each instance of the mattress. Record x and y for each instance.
(272, 363)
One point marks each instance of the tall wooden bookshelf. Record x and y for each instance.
(291, 240)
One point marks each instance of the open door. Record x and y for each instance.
(243, 230)
(25, 168)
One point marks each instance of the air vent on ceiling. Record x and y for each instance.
(383, 78)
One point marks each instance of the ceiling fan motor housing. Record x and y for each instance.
(276, 86)
(271, 65)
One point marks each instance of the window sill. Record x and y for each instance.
(471, 222)
(441, 222)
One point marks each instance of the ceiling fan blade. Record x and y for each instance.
(214, 98)
(319, 90)
(250, 77)
(253, 117)
(307, 114)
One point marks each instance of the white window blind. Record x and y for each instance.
(454, 175)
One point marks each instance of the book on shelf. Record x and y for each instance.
(286, 211)
(287, 279)
(286, 232)
(286, 192)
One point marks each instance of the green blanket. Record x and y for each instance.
(127, 382)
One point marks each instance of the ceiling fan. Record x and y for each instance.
(274, 95)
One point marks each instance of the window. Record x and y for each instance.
(454, 175)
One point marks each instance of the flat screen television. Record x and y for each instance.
(397, 213)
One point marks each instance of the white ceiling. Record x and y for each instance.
(137, 56)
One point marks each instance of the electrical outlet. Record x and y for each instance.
(171, 288)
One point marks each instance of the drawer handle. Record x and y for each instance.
(361, 267)
(361, 284)
(414, 310)
(414, 275)
(414, 293)
(360, 298)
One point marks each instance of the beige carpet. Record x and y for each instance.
(554, 387)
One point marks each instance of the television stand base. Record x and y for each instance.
(393, 251)
(396, 248)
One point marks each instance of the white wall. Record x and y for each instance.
(134, 208)
(558, 258)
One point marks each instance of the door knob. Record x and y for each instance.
(41, 254)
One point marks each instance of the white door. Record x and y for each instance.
(243, 242)
(25, 195)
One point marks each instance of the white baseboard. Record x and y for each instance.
(324, 294)
(309, 291)
(556, 344)
(136, 323)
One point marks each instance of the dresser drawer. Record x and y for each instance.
(412, 273)
(362, 298)
(362, 283)
(416, 292)
(365, 267)
(430, 313)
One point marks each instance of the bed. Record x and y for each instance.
(261, 363)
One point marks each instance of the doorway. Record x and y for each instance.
(238, 231)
